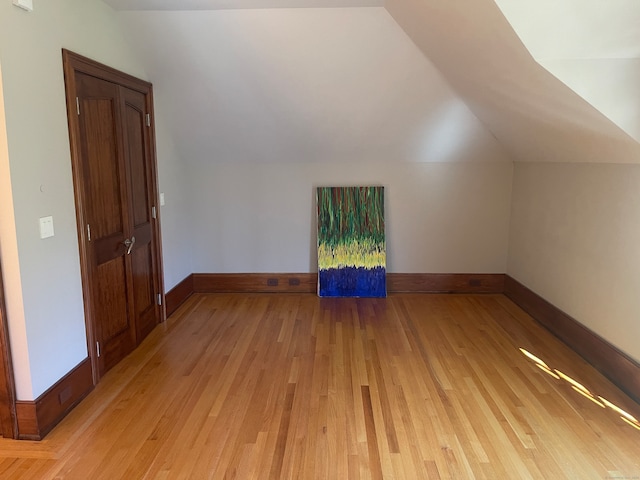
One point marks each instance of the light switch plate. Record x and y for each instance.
(162, 199)
(24, 4)
(46, 227)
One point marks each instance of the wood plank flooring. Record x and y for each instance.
(297, 387)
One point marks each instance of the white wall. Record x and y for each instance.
(440, 217)
(44, 295)
(10, 262)
(175, 216)
(575, 232)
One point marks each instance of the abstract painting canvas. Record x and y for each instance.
(351, 242)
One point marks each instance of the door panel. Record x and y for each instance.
(102, 175)
(135, 140)
(111, 307)
(143, 287)
(145, 298)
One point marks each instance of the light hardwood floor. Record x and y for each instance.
(292, 386)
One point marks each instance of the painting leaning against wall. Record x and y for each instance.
(351, 242)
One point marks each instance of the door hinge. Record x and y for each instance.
(98, 349)
(153, 212)
(159, 299)
(148, 120)
(78, 105)
(88, 232)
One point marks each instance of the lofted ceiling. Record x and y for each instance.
(415, 80)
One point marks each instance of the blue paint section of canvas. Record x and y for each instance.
(353, 282)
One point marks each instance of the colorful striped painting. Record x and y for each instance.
(351, 242)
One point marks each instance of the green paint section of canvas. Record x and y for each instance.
(351, 227)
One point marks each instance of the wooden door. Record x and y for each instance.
(114, 178)
(141, 212)
(8, 425)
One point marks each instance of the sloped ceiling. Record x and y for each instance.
(302, 85)
(534, 115)
(591, 46)
(295, 79)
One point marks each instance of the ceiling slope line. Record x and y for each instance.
(186, 5)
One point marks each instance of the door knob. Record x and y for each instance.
(129, 244)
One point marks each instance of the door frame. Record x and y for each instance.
(72, 63)
(8, 416)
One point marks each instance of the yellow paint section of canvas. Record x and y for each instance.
(355, 254)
